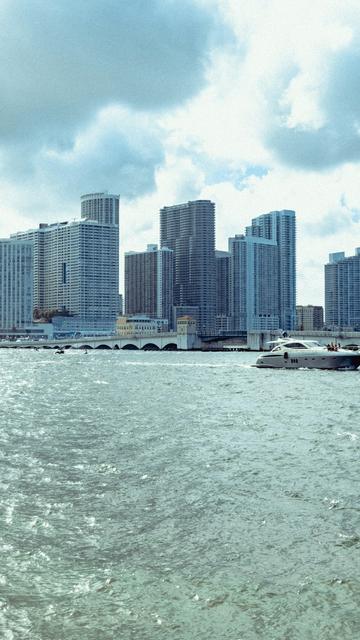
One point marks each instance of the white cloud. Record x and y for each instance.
(269, 120)
(11, 219)
(60, 62)
(81, 89)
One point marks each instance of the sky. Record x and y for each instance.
(253, 104)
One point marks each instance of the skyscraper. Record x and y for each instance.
(102, 207)
(222, 318)
(76, 264)
(279, 226)
(254, 301)
(342, 291)
(149, 278)
(189, 230)
(309, 318)
(222, 259)
(16, 283)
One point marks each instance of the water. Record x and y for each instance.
(181, 496)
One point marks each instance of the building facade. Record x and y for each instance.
(187, 311)
(16, 284)
(149, 282)
(222, 317)
(76, 266)
(189, 230)
(309, 318)
(280, 227)
(342, 291)
(254, 295)
(140, 325)
(102, 207)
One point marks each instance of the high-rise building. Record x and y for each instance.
(342, 291)
(102, 207)
(222, 259)
(189, 230)
(76, 265)
(280, 227)
(222, 318)
(16, 283)
(309, 318)
(254, 295)
(149, 279)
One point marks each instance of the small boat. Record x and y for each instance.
(59, 351)
(295, 354)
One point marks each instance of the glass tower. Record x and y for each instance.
(280, 227)
(254, 299)
(342, 291)
(149, 278)
(16, 283)
(189, 230)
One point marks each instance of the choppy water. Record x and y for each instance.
(182, 496)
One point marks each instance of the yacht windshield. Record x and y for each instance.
(296, 345)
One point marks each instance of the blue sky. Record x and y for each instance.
(254, 104)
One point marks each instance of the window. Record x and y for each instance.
(295, 345)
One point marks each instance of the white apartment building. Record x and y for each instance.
(16, 284)
(76, 268)
(254, 295)
(342, 291)
(102, 207)
(76, 264)
(280, 227)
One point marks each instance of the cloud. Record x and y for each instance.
(157, 101)
(119, 151)
(83, 86)
(325, 148)
(332, 136)
(289, 92)
(77, 82)
(62, 61)
(313, 119)
(331, 223)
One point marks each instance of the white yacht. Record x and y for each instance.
(309, 354)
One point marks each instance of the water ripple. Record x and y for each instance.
(179, 495)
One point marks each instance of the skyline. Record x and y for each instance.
(165, 102)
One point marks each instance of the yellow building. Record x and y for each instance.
(131, 326)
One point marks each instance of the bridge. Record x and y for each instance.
(185, 339)
(259, 340)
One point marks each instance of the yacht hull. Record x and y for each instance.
(331, 361)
